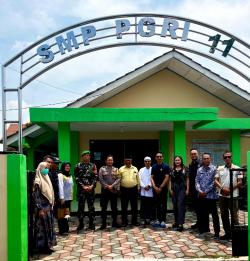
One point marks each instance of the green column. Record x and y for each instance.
(248, 200)
(64, 141)
(180, 139)
(17, 208)
(164, 145)
(235, 146)
(74, 155)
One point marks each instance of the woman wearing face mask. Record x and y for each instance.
(179, 188)
(65, 195)
(44, 233)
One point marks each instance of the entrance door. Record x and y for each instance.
(138, 149)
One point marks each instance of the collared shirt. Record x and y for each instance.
(223, 174)
(145, 180)
(204, 181)
(109, 176)
(129, 177)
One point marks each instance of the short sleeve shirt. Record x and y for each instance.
(224, 177)
(158, 172)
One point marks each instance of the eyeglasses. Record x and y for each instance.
(227, 157)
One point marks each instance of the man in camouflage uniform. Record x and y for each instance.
(86, 177)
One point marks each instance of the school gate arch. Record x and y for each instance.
(96, 34)
(146, 29)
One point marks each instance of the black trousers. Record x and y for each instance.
(90, 198)
(206, 207)
(195, 205)
(179, 203)
(160, 205)
(107, 196)
(146, 207)
(129, 195)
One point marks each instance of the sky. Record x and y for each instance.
(23, 22)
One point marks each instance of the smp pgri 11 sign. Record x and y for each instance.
(145, 27)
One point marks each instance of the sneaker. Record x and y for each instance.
(163, 224)
(194, 226)
(156, 223)
(67, 216)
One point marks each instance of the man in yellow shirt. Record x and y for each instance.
(130, 185)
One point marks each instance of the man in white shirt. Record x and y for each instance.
(146, 191)
(222, 181)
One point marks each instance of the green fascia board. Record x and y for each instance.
(225, 123)
(121, 114)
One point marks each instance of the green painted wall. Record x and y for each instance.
(235, 146)
(17, 208)
(180, 139)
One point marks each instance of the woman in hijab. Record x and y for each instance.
(44, 233)
(65, 195)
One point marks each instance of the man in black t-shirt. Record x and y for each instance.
(159, 179)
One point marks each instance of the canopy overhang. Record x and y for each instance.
(122, 114)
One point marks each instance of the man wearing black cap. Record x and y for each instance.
(53, 175)
(86, 177)
(130, 185)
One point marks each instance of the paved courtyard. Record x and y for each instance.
(138, 242)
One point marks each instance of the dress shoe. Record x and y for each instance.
(225, 237)
(103, 226)
(115, 224)
(175, 225)
(80, 227)
(216, 236)
(92, 226)
(180, 228)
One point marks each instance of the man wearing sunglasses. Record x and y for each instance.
(222, 181)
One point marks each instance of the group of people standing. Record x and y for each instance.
(52, 194)
(210, 184)
(204, 182)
